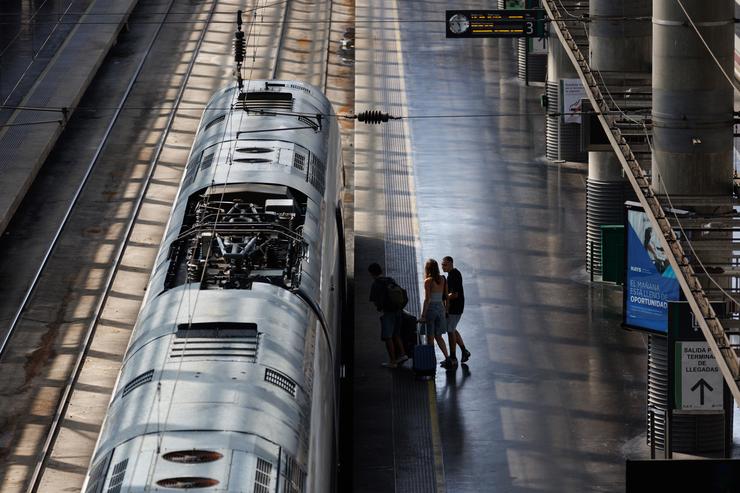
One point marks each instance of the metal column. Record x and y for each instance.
(692, 144)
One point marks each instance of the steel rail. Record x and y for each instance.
(73, 203)
(34, 57)
(710, 325)
(281, 39)
(327, 50)
(65, 399)
(283, 31)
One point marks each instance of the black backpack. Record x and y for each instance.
(395, 298)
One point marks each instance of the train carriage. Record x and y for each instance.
(230, 379)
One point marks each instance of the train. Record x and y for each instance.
(230, 381)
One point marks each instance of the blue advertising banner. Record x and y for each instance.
(650, 282)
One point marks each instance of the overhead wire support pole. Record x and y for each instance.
(710, 326)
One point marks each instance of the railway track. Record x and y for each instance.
(66, 340)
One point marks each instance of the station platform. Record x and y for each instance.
(71, 47)
(553, 397)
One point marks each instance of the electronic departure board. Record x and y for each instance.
(527, 23)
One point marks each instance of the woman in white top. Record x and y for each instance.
(434, 309)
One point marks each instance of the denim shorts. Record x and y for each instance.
(436, 323)
(390, 324)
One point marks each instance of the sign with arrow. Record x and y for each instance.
(698, 383)
(697, 392)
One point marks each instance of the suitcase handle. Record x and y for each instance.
(422, 324)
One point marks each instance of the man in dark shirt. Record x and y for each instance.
(455, 306)
(390, 320)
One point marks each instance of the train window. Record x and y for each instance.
(186, 483)
(192, 456)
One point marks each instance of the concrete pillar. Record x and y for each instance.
(562, 140)
(692, 99)
(619, 48)
(693, 110)
(618, 44)
(692, 137)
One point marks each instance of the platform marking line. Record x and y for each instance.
(439, 475)
(439, 472)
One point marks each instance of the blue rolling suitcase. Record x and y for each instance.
(425, 361)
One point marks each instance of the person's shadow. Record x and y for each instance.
(456, 381)
(451, 417)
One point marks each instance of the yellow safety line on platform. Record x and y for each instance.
(439, 471)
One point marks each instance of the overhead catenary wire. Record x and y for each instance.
(711, 328)
(703, 41)
(439, 21)
(648, 137)
(160, 147)
(684, 236)
(349, 116)
(186, 295)
(35, 52)
(24, 124)
(33, 16)
(354, 117)
(120, 17)
(65, 398)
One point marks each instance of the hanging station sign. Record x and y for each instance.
(525, 23)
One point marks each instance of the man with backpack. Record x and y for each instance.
(390, 299)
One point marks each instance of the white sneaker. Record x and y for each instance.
(403, 359)
(389, 364)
